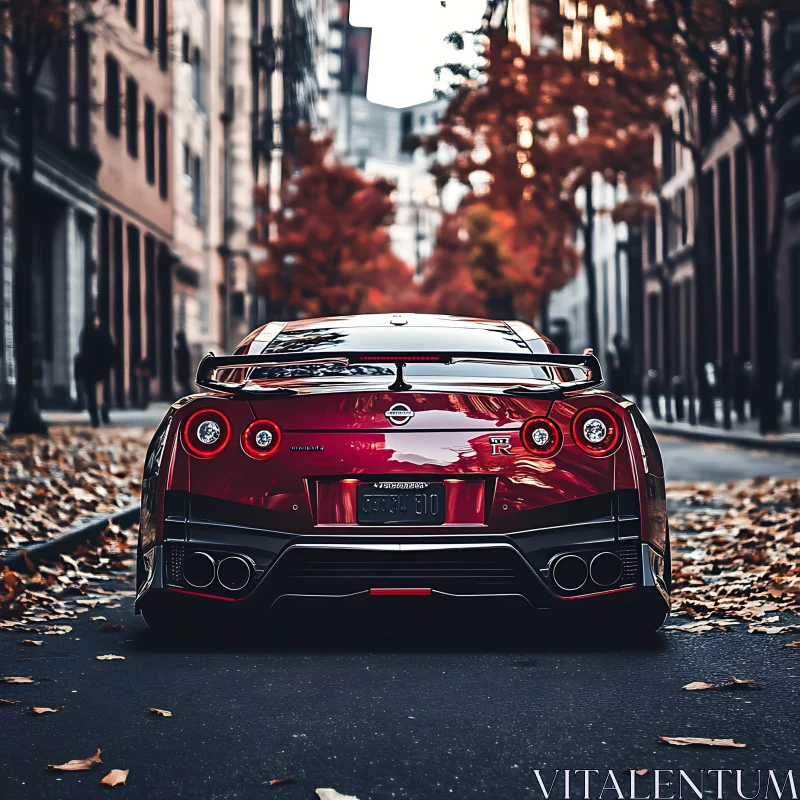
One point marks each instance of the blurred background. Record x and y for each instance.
(624, 175)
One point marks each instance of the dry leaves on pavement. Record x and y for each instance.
(736, 554)
(79, 764)
(15, 679)
(159, 712)
(4, 702)
(116, 777)
(683, 741)
(43, 710)
(110, 657)
(741, 684)
(48, 484)
(279, 781)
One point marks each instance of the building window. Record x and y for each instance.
(150, 141)
(163, 163)
(197, 77)
(794, 269)
(197, 184)
(83, 88)
(185, 48)
(667, 149)
(163, 36)
(682, 211)
(132, 116)
(187, 160)
(132, 12)
(150, 24)
(112, 96)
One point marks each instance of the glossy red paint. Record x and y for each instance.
(331, 437)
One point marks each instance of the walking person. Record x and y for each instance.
(183, 366)
(93, 363)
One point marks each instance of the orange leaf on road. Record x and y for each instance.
(160, 712)
(27, 679)
(682, 741)
(79, 764)
(43, 710)
(696, 686)
(115, 777)
(110, 657)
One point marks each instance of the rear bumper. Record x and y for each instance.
(455, 566)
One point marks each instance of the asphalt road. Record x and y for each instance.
(432, 708)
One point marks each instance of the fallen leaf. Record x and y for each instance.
(696, 686)
(682, 741)
(43, 710)
(278, 781)
(792, 644)
(78, 764)
(110, 658)
(160, 712)
(5, 702)
(28, 679)
(332, 794)
(94, 619)
(740, 683)
(115, 777)
(642, 771)
(108, 627)
(33, 642)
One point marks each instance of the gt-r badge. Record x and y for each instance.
(399, 414)
(501, 445)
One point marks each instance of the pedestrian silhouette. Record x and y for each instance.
(93, 363)
(183, 363)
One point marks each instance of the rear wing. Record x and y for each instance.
(211, 365)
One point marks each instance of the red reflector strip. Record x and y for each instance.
(399, 358)
(399, 592)
(203, 594)
(599, 594)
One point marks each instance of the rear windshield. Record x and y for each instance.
(467, 369)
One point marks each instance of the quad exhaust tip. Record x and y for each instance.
(233, 573)
(199, 570)
(605, 569)
(570, 572)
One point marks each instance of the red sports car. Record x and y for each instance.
(355, 458)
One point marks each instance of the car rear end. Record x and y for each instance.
(348, 491)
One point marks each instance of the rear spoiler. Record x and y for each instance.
(588, 363)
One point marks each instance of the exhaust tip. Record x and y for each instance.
(606, 569)
(233, 573)
(569, 572)
(198, 570)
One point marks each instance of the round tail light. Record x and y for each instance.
(206, 433)
(541, 436)
(596, 431)
(261, 438)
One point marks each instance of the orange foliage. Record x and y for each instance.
(332, 253)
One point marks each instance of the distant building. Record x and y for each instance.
(67, 197)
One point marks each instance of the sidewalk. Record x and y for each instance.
(743, 434)
(122, 418)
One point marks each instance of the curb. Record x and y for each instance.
(725, 437)
(71, 538)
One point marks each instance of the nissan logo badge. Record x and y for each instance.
(399, 414)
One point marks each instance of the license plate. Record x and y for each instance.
(400, 503)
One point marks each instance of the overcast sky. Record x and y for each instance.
(407, 43)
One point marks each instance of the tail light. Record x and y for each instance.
(206, 433)
(261, 438)
(542, 437)
(596, 431)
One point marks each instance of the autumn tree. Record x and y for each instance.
(513, 131)
(448, 286)
(331, 253)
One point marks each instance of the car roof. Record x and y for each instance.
(388, 332)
